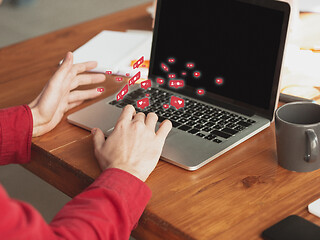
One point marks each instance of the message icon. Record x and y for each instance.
(119, 79)
(100, 89)
(142, 103)
(219, 81)
(196, 74)
(165, 106)
(123, 92)
(128, 74)
(171, 75)
(160, 81)
(138, 63)
(171, 60)
(109, 72)
(176, 83)
(146, 84)
(190, 65)
(200, 91)
(184, 73)
(134, 78)
(164, 67)
(177, 102)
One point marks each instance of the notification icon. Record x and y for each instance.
(108, 72)
(176, 83)
(219, 81)
(177, 102)
(200, 91)
(171, 60)
(184, 73)
(146, 84)
(171, 75)
(196, 74)
(119, 79)
(123, 92)
(134, 78)
(142, 103)
(165, 106)
(100, 89)
(138, 63)
(190, 65)
(128, 74)
(164, 67)
(160, 81)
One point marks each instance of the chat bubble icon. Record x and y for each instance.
(176, 83)
(190, 65)
(219, 81)
(171, 60)
(146, 84)
(200, 91)
(108, 72)
(142, 103)
(160, 81)
(164, 67)
(177, 102)
(119, 79)
(138, 62)
(196, 74)
(135, 78)
(123, 92)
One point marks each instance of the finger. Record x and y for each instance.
(66, 64)
(74, 104)
(98, 138)
(83, 67)
(87, 78)
(140, 116)
(127, 113)
(164, 129)
(81, 95)
(151, 120)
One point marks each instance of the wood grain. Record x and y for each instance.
(236, 196)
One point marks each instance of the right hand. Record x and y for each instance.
(133, 146)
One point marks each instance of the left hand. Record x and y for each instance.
(57, 96)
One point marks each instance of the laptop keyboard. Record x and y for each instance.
(196, 118)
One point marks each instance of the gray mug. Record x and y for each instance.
(297, 134)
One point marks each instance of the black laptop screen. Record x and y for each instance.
(233, 45)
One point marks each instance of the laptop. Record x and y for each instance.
(227, 57)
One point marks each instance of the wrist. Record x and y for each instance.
(35, 118)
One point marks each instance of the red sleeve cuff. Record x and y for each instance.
(131, 189)
(16, 125)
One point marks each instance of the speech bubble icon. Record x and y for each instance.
(160, 81)
(138, 63)
(200, 91)
(100, 89)
(127, 74)
(108, 72)
(123, 92)
(135, 78)
(119, 79)
(177, 102)
(165, 106)
(164, 67)
(176, 83)
(196, 74)
(171, 75)
(219, 81)
(184, 73)
(142, 103)
(146, 84)
(190, 65)
(171, 60)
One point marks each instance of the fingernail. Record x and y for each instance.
(93, 131)
(100, 90)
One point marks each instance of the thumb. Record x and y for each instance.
(98, 138)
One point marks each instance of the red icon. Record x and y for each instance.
(109, 72)
(138, 63)
(128, 74)
(190, 65)
(200, 91)
(134, 78)
(176, 83)
(160, 81)
(100, 89)
(177, 102)
(171, 75)
(123, 92)
(119, 79)
(165, 106)
(142, 103)
(147, 95)
(219, 81)
(164, 67)
(196, 74)
(171, 60)
(146, 84)
(184, 73)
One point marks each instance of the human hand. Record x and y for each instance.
(57, 96)
(133, 146)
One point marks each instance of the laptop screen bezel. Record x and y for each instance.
(247, 108)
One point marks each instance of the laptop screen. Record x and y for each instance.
(230, 50)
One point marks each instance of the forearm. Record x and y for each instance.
(16, 126)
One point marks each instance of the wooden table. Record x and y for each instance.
(236, 196)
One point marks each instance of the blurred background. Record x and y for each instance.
(24, 19)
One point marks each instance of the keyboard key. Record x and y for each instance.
(206, 129)
(210, 137)
(182, 120)
(220, 134)
(244, 124)
(200, 135)
(198, 126)
(192, 118)
(193, 131)
(175, 118)
(239, 128)
(184, 127)
(175, 124)
(251, 121)
(217, 141)
(230, 131)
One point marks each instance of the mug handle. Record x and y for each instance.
(312, 146)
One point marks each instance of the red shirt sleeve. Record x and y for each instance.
(107, 209)
(16, 124)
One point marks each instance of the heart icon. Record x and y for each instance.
(140, 102)
(196, 74)
(219, 81)
(165, 106)
(179, 101)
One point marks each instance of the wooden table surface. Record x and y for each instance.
(236, 196)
